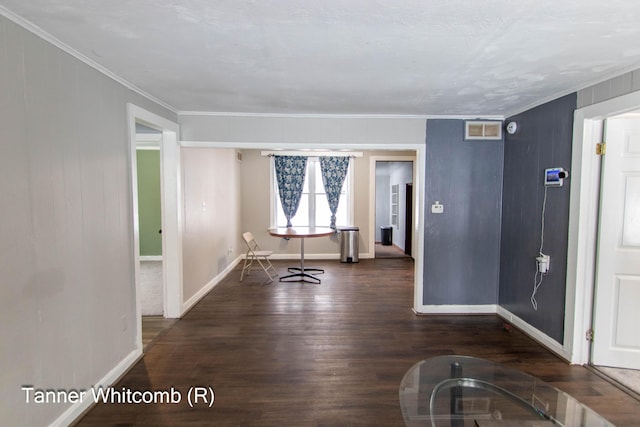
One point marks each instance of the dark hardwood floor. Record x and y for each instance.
(289, 354)
(153, 327)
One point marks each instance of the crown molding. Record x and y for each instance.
(32, 28)
(575, 89)
(339, 116)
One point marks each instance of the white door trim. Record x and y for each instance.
(583, 220)
(171, 211)
(417, 240)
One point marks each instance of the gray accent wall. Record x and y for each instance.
(462, 245)
(543, 140)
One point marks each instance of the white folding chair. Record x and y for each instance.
(254, 253)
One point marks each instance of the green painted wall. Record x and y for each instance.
(149, 202)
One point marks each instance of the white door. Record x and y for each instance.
(617, 293)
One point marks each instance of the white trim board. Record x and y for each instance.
(188, 305)
(533, 333)
(340, 116)
(332, 256)
(150, 257)
(457, 309)
(311, 153)
(76, 410)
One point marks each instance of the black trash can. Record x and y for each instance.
(349, 244)
(387, 235)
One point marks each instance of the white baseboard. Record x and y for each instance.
(151, 258)
(314, 256)
(535, 334)
(306, 256)
(76, 410)
(186, 306)
(457, 309)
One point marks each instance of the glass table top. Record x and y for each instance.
(460, 391)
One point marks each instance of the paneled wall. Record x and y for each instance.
(67, 300)
(621, 85)
(462, 245)
(543, 140)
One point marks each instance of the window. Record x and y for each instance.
(314, 207)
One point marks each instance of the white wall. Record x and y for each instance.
(211, 190)
(67, 298)
(316, 131)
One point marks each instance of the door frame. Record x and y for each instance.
(408, 222)
(419, 189)
(171, 194)
(583, 221)
(372, 197)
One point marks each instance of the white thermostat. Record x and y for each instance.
(437, 208)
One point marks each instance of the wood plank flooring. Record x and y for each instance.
(289, 354)
(153, 327)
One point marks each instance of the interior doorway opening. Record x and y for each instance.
(394, 208)
(164, 232)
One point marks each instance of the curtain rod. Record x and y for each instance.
(311, 153)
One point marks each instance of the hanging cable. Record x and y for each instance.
(537, 283)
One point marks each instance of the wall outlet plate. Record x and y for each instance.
(437, 208)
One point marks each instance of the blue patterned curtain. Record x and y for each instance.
(334, 170)
(290, 172)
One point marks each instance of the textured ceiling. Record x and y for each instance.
(412, 57)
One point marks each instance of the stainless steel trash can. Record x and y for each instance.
(349, 244)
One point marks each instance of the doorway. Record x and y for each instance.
(165, 139)
(393, 208)
(149, 221)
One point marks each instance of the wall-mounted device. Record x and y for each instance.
(512, 127)
(543, 262)
(554, 177)
(437, 208)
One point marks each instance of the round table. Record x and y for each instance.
(300, 274)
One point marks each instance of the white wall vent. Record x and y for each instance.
(482, 130)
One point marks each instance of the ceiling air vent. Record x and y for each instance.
(482, 130)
